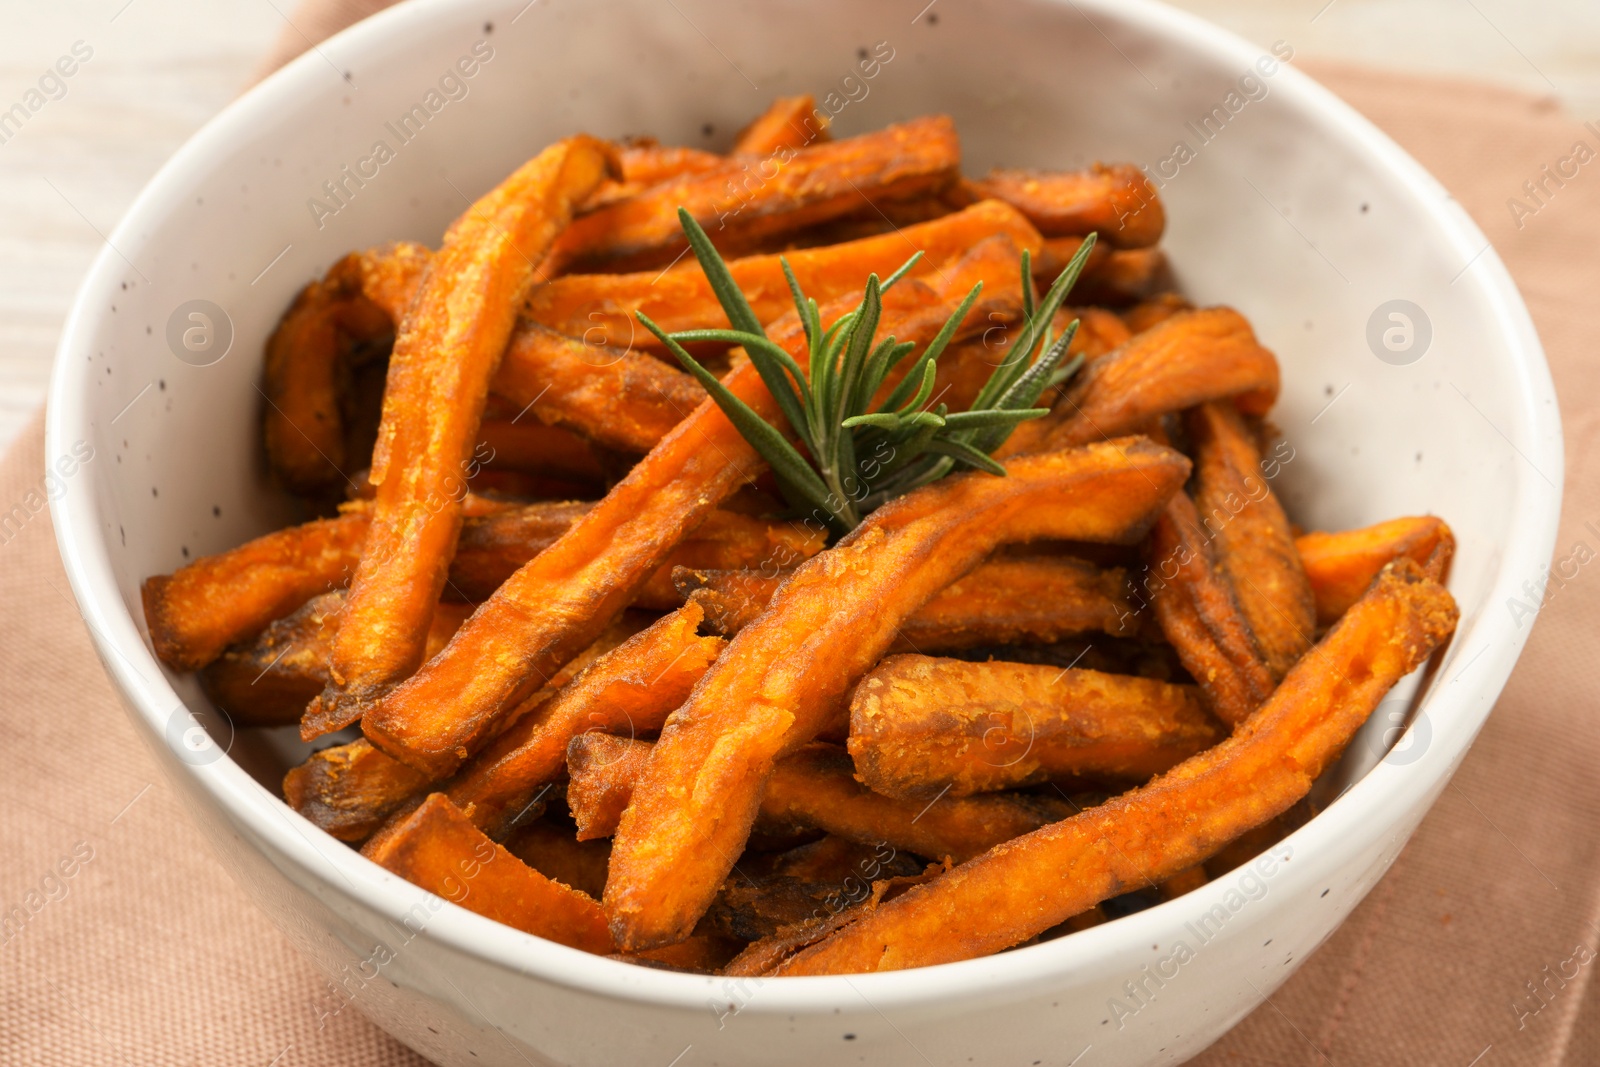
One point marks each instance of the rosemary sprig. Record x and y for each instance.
(860, 454)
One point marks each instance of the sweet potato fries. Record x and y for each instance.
(899, 577)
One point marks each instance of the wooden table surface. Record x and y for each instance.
(157, 69)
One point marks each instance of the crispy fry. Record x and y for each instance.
(621, 398)
(693, 809)
(445, 351)
(231, 597)
(547, 845)
(632, 688)
(438, 849)
(1056, 252)
(562, 596)
(646, 163)
(790, 122)
(1003, 600)
(1198, 611)
(348, 790)
(218, 600)
(531, 447)
(1254, 543)
(1027, 885)
(1159, 308)
(1341, 565)
(965, 368)
(696, 954)
(1117, 202)
(814, 788)
(309, 357)
(1127, 276)
(268, 681)
(742, 204)
(922, 727)
(600, 308)
(1187, 359)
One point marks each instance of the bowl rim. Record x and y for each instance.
(1362, 813)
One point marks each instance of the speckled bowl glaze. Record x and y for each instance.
(1413, 382)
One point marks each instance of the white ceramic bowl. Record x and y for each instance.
(1293, 208)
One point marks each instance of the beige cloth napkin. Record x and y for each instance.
(137, 948)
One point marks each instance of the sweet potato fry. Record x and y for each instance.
(739, 204)
(231, 597)
(814, 788)
(531, 447)
(600, 308)
(1198, 611)
(1127, 276)
(219, 600)
(784, 676)
(1027, 885)
(438, 849)
(790, 122)
(1056, 252)
(621, 398)
(1187, 359)
(561, 597)
(1341, 565)
(1254, 543)
(646, 163)
(632, 688)
(1003, 600)
(445, 351)
(268, 681)
(1117, 202)
(922, 727)
(309, 361)
(1159, 308)
(965, 368)
(546, 844)
(349, 789)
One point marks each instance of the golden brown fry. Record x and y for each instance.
(1126, 276)
(785, 675)
(726, 537)
(531, 447)
(1117, 202)
(814, 788)
(1187, 359)
(445, 351)
(348, 790)
(601, 770)
(790, 122)
(632, 688)
(1200, 615)
(923, 727)
(601, 308)
(219, 600)
(268, 681)
(1341, 565)
(646, 163)
(1254, 543)
(309, 360)
(695, 954)
(547, 845)
(1003, 600)
(1056, 252)
(621, 398)
(561, 597)
(1027, 885)
(231, 597)
(1159, 308)
(439, 850)
(740, 203)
